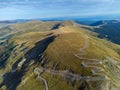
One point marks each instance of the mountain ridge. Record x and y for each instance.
(64, 57)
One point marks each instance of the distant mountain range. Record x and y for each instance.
(109, 29)
(14, 21)
(8, 22)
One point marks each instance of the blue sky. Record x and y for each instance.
(27, 9)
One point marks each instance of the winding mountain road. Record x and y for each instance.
(66, 74)
(94, 64)
(38, 72)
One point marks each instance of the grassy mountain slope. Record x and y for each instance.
(68, 58)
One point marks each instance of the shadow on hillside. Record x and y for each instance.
(56, 26)
(13, 78)
(4, 56)
(84, 86)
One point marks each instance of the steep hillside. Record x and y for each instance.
(108, 29)
(58, 55)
